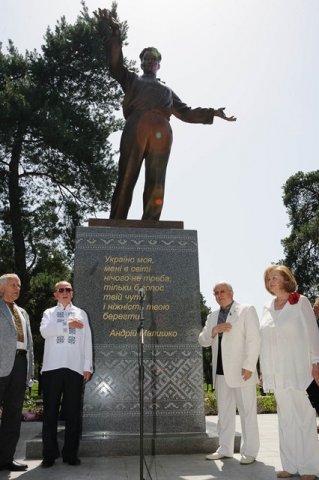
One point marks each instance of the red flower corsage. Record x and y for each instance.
(293, 298)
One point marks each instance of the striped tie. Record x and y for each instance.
(17, 321)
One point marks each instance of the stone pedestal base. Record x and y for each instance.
(113, 262)
(101, 444)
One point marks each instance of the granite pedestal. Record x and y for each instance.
(112, 265)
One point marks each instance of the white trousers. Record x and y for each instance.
(298, 438)
(244, 398)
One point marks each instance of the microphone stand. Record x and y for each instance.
(140, 331)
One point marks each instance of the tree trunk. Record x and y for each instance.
(15, 199)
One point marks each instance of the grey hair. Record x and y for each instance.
(4, 278)
(228, 285)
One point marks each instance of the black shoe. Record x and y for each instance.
(72, 461)
(14, 466)
(47, 463)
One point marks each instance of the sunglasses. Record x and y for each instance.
(66, 289)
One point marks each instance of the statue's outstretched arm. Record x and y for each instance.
(109, 30)
(221, 114)
(105, 21)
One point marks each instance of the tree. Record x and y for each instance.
(48, 271)
(207, 351)
(301, 248)
(56, 162)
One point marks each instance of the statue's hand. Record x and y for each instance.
(105, 20)
(221, 114)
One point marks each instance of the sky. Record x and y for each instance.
(257, 58)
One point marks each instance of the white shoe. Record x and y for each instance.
(247, 459)
(216, 456)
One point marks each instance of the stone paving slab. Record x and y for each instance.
(161, 467)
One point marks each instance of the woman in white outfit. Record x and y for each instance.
(289, 362)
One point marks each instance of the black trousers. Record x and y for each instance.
(12, 391)
(57, 384)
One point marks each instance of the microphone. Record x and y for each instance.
(141, 293)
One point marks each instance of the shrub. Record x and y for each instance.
(265, 403)
(32, 405)
(210, 403)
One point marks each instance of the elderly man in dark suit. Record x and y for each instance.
(16, 368)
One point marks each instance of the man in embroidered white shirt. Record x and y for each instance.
(233, 333)
(67, 365)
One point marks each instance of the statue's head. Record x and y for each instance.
(150, 60)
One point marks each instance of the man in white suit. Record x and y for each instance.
(233, 333)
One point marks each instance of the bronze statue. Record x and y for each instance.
(147, 135)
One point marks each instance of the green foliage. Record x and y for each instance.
(301, 248)
(207, 351)
(58, 110)
(210, 403)
(265, 403)
(32, 405)
(52, 266)
(204, 310)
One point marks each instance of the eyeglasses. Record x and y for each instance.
(66, 289)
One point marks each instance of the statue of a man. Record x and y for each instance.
(147, 135)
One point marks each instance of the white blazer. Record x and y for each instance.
(240, 346)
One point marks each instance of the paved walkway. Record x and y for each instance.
(161, 467)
